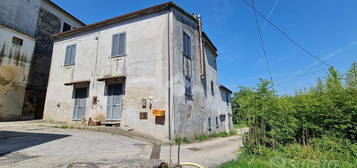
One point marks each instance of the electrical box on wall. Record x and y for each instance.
(158, 112)
(143, 115)
(143, 103)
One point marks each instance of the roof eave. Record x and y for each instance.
(64, 11)
(120, 18)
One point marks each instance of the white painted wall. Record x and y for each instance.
(145, 68)
(14, 71)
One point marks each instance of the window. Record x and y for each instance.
(217, 123)
(188, 85)
(186, 45)
(118, 44)
(212, 88)
(187, 65)
(70, 55)
(17, 41)
(66, 27)
(209, 124)
(227, 98)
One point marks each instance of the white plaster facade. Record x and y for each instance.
(15, 60)
(151, 69)
(38, 19)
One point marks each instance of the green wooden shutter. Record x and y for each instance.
(188, 46)
(68, 56)
(122, 43)
(73, 54)
(115, 45)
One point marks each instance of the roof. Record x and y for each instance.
(157, 8)
(16, 30)
(225, 88)
(64, 11)
(209, 42)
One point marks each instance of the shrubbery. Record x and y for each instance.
(316, 124)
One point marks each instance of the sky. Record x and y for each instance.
(326, 28)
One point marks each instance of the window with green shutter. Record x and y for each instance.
(70, 55)
(186, 45)
(119, 45)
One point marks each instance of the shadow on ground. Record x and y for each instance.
(11, 141)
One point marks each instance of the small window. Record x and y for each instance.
(227, 98)
(17, 41)
(217, 123)
(70, 55)
(188, 85)
(209, 124)
(66, 27)
(186, 45)
(212, 88)
(119, 44)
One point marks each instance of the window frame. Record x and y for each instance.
(66, 24)
(17, 41)
(212, 88)
(186, 47)
(114, 55)
(70, 55)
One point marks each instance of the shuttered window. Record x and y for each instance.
(212, 88)
(186, 45)
(119, 44)
(188, 85)
(70, 55)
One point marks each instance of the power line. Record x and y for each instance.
(286, 35)
(262, 44)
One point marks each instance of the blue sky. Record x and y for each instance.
(327, 28)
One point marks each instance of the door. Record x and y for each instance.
(114, 105)
(80, 98)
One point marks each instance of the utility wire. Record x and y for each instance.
(262, 44)
(286, 35)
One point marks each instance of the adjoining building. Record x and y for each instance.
(16, 51)
(25, 21)
(151, 70)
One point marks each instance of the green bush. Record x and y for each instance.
(308, 129)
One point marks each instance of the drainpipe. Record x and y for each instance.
(202, 58)
(169, 72)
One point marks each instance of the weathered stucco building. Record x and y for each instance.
(38, 19)
(16, 51)
(152, 70)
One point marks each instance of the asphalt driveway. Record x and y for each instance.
(37, 144)
(24, 144)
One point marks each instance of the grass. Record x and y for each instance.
(239, 125)
(204, 137)
(182, 140)
(321, 153)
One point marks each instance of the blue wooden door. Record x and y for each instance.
(114, 105)
(80, 98)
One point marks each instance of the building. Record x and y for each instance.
(16, 51)
(38, 19)
(152, 70)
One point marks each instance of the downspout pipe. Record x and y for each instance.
(169, 73)
(202, 58)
